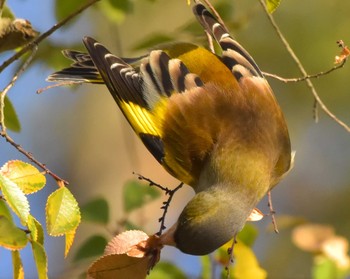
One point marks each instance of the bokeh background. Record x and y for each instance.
(81, 135)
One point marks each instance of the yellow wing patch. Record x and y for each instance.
(141, 120)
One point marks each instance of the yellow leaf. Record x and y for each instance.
(246, 264)
(26, 176)
(18, 272)
(15, 198)
(69, 242)
(62, 212)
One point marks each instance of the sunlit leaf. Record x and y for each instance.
(11, 237)
(96, 211)
(69, 241)
(136, 195)
(4, 210)
(272, 5)
(119, 266)
(167, 270)
(40, 259)
(15, 198)
(36, 230)
(62, 212)
(18, 272)
(26, 176)
(92, 247)
(11, 118)
(152, 40)
(246, 264)
(123, 242)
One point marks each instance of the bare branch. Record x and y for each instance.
(272, 212)
(318, 75)
(303, 71)
(166, 204)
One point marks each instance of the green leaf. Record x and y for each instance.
(115, 10)
(152, 40)
(96, 210)
(206, 267)
(11, 237)
(166, 270)
(18, 272)
(325, 268)
(15, 198)
(40, 259)
(4, 210)
(66, 7)
(92, 247)
(11, 118)
(36, 230)
(62, 212)
(6, 12)
(24, 175)
(272, 5)
(136, 195)
(248, 234)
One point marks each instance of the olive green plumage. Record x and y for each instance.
(211, 120)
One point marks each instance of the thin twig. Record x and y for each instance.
(303, 71)
(318, 75)
(59, 84)
(9, 86)
(231, 256)
(44, 35)
(152, 183)
(166, 203)
(165, 208)
(272, 212)
(31, 158)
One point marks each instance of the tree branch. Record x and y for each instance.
(304, 73)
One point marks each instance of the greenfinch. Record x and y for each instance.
(211, 120)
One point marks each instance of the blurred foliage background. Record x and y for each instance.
(81, 135)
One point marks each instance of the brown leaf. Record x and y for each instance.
(119, 266)
(122, 243)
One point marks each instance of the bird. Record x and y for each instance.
(210, 119)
